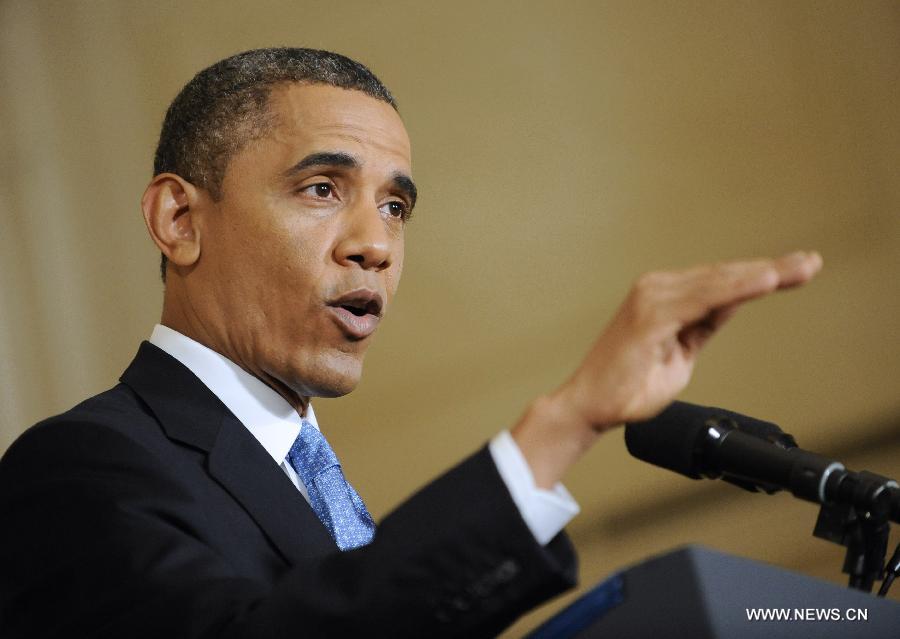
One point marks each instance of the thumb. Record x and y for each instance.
(695, 335)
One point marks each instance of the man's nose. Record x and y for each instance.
(365, 239)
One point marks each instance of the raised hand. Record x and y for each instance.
(646, 354)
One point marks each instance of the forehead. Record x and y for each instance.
(325, 118)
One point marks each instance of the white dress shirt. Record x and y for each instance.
(275, 424)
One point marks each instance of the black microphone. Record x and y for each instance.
(856, 507)
(703, 441)
(677, 439)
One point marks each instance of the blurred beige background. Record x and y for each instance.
(561, 149)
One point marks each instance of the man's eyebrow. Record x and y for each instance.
(405, 184)
(401, 181)
(324, 158)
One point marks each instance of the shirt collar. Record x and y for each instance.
(265, 413)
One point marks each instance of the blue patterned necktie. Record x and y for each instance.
(336, 504)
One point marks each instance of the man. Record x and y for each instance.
(198, 498)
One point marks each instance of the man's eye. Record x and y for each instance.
(396, 209)
(322, 189)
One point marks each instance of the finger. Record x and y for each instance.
(705, 288)
(797, 268)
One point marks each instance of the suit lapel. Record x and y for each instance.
(247, 471)
(191, 414)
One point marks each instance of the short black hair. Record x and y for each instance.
(225, 106)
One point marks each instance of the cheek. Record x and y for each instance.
(287, 250)
(277, 275)
(390, 281)
(393, 277)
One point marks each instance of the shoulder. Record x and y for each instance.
(113, 423)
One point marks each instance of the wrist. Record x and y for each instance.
(552, 437)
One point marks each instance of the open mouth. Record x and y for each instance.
(357, 313)
(362, 308)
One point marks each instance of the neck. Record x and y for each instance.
(180, 317)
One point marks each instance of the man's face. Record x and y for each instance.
(303, 252)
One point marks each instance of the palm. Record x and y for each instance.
(667, 375)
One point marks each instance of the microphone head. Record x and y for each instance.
(668, 440)
(675, 438)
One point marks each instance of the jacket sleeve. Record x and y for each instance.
(96, 542)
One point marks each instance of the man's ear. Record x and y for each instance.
(170, 205)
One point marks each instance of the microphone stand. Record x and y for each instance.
(858, 516)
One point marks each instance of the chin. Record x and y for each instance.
(333, 377)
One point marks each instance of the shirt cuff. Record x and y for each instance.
(546, 512)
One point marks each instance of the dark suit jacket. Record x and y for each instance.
(150, 511)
